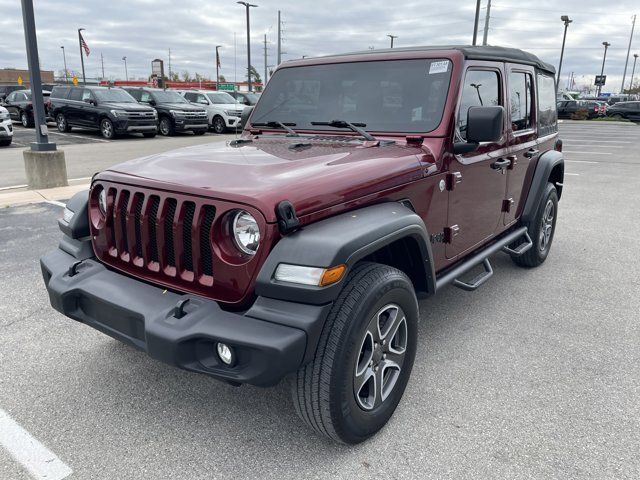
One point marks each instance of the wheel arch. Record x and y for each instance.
(387, 233)
(550, 168)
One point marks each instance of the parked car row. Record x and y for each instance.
(116, 111)
(581, 109)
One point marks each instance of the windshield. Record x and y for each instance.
(168, 96)
(388, 96)
(221, 98)
(113, 95)
(252, 97)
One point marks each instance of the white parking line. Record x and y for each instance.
(572, 174)
(587, 153)
(579, 161)
(566, 139)
(79, 136)
(37, 459)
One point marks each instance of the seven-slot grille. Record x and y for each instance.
(160, 234)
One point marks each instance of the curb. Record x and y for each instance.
(21, 196)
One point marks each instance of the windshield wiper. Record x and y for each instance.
(273, 124)
(355, 127)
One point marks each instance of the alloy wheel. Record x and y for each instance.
(546, 227)
(380, 357)
(107, 129)
(24, 119)
(165, 127)
(62, 122)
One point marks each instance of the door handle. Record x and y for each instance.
(532, 152)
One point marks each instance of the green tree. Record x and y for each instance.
(255, 75)
(186, 77)
(222, 79)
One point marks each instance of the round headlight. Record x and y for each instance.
(246, 232)
(102, 201)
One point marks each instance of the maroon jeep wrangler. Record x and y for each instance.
(361, 183)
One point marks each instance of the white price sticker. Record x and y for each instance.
(439, 67)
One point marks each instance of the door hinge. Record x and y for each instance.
(450, 233)
(507, 204)
(453, 179)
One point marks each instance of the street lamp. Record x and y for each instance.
(66, 72)
(635, 59)
(126, 73)
(392, 37)
(604, 58)
(477, 87)
(248, 5)
(567, 21)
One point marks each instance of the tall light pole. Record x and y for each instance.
(567, 21)
(626, 63)
(126, 72)
(475, 25)
(218, 67)
(84, 78)
(604, 59)
(102, 63)
(485, 37)
(392, 37)
(66, 72)
(635, 59)
(247, 6)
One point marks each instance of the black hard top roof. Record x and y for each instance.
(488, 52)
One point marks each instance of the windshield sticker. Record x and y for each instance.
(439, 67)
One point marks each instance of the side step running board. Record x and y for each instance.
(481, 257)
(477, 280)
(520, 249)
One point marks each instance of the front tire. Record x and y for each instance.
(166, 127)
(218, 124)
(541, 228)
(364, 356)
(106, 129)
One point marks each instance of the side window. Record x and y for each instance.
(76, 94)
(191, 97)
(86, 95)
(521, 101)
(481, 88)
(143, 96)
(547, 114)
(11, 97)
(200, 98)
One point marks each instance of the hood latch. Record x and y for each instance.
(287, 219)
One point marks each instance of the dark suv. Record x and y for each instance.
(110, 110)
(175, 114)
(361, 183)
(20, 106)
(628, 110)
(580, 109)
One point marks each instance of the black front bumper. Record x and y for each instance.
(144, 316)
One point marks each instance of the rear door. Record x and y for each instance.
(476, 187)
(523, 136)
(73, 107)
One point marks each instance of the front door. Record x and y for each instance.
(476, 186)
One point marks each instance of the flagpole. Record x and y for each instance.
(84, 78)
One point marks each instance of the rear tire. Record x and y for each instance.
(354, 383)
(25, 120)
(62, 124)
(541, 229)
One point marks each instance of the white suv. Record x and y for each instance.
(6, 128)
(223, 110)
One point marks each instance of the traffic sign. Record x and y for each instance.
(601, 80)
(20, 80)
(227, 87)
(75, 80)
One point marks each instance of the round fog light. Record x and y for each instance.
(225, 353)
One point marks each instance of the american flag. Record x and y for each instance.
(84, 45)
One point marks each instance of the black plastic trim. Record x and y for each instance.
(342, 239)
(78, 227)
(546, 163)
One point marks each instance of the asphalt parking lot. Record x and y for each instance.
(535, 375)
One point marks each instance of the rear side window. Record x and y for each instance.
(547, 114)
(60, 92)
(76, 94)
(481, 89)
(520, 101)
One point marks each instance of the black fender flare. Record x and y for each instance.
(343, 239)
(547, 162)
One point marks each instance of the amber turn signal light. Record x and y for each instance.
(332, 275)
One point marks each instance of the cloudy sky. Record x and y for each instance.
(143, 30)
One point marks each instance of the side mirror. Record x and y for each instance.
(244, 118)
(89, 100)
(484, 124)
(152, 103)
(203, 102)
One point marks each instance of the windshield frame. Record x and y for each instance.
(439, 129)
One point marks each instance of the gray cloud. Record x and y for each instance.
(145, 29)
